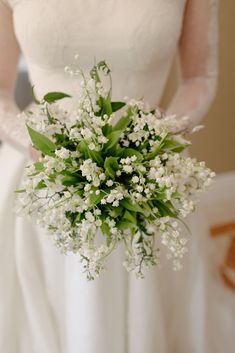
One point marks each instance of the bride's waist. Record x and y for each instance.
(136, 85)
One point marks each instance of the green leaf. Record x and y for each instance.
(111, 166)
(49, 116)
(116, 211)
(105, 228)
(130, 216)
(106, 104)
(114, 138)
(19, 191)
(52, 177)
(94, 74)
(39, 166)
(160, 194)
(117, 106)
(41, 142)
(71, 216)
(128, 152)
(122, 225)
(147, 208)
(129, 205)
(122, 123)
(176, 195)
(52, 97)
(41, 185)
(154, 153)
(87, 153)
(83, 148)
(95, 199)
(79, 192)
(35, 99)
(96, 157)
(79, 218)
(140, 240)
(107, 129)
(69, 180)
(165, 208)
(174, 145)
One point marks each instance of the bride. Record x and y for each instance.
(46, 303)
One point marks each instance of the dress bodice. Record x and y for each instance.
(137, 38)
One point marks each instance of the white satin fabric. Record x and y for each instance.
(46, 303)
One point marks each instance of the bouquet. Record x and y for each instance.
(110, 173)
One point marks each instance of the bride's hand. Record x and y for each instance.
(34, 154)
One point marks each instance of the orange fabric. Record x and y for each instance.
(227, 229)
(222, 229)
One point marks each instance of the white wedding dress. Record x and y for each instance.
(46, 304)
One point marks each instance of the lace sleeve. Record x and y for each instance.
(11, 128)
(197, 61)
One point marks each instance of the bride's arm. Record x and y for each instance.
(197, 60)
(11, 128)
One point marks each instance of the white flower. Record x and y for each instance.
(91, 146)
(86, 133)
(98, 222)
(102, 176)
(127, 168)
(133, 158)
(102, 139)
(114, 196)
(139, 188)
(74, 133)
(135, 179)
(109, 182)
(87, 187)
(89, 216)
(62, 153)
(91, 171)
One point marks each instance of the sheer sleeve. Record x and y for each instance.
(197, 61)
(12, 130)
